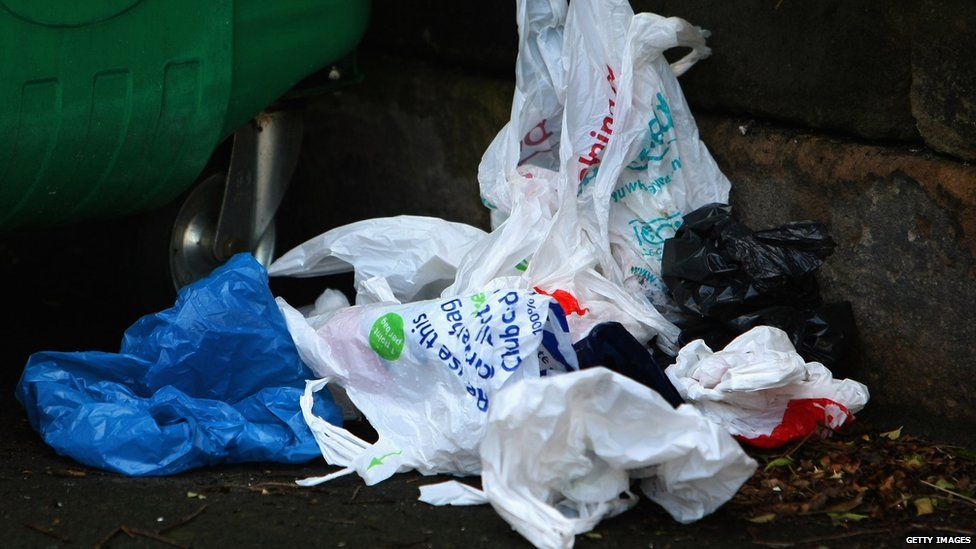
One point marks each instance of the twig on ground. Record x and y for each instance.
(290, 485)
(797, 447)
(47, 532)
(346, 522)
(152, 535)
(101, 543)
(773, 543)
(183, 520)
(355, 493)
(959, 531)
(946, 490)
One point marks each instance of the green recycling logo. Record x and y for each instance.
(386, 336)
(379, 460)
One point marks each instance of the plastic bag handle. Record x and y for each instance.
(339, 447)
(688, 36)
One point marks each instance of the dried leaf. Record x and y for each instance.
(892, 435)
(945, 484)
(923, 506)
(846, 506)
(914, 461)
(593, 535)
(194, 495)
(762, 519)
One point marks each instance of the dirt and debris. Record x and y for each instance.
(864, 487)
(858, 480)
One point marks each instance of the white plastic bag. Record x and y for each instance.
(417, 256)
(526, 150)
(570, 252)
(631, 148)
(654, 168)
(559, 455)
(760, 389)
(327, 303)
(425, 374)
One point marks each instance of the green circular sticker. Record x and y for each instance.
(386, 336)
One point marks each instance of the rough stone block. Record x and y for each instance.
(894, 70)
(943, 92)
(905, 224)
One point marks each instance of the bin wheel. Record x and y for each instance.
(191, 246)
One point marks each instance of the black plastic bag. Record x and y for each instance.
(610, 345)
(717, 267)
(728, 279)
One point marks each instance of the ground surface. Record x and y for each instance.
(74, 289)
(51, 501)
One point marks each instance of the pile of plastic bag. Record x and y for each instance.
(535, 355)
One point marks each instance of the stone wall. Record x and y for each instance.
(877, 69)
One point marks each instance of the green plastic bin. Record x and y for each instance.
(109, 107)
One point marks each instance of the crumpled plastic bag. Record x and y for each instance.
(214, 379)
(715, 266)
(610, 345)
(416, 257)
(729, 279)
(761, 390)
(425, 375)
(560, 452)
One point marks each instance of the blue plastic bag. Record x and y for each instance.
(214, 379)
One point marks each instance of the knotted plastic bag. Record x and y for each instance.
(644, 166)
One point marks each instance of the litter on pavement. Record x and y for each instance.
(617, 327)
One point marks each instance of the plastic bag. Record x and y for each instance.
(215, 379)
(526, 150)
(425, 375)
(553, 231)
(731, 279)
(762, 391)
(654, 167)
(824, 334)
(611, 346)
(717, 267)
(417, 257)
(559, 455)
(575, 243)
